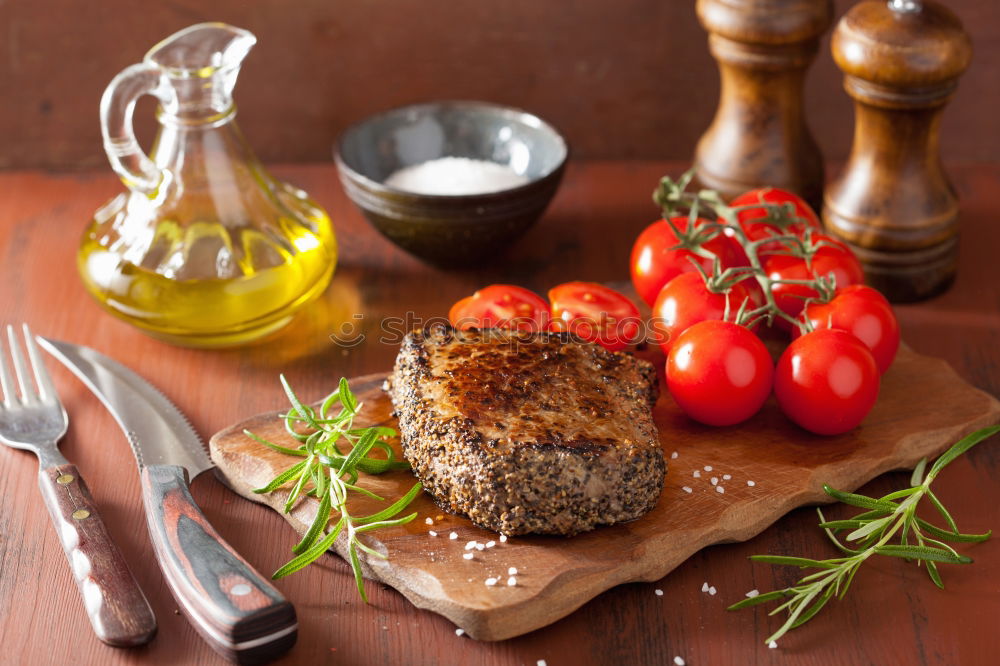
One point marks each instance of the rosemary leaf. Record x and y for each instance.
(317, 527)
(923, 553)
(280, 480)
(792, 561)
(271, 445)
(952, 536)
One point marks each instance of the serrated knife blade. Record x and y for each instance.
(240, 614)
(157, 431)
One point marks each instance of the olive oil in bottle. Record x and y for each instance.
(205, 249)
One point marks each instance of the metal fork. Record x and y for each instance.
(34, 420)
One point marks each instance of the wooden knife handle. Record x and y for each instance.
(242, 616)
(118, 610)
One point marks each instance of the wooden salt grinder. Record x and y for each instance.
(893, 204)
(759, 135)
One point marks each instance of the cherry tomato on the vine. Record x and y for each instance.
(595, 313)
(862, 312)
(654, 261)
(831, 257)
(826, 381)
(501, 306)
(719, 373)
(755, 225)
(686, 300)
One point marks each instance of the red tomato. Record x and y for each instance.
(826, 381)
(719, 373)
(654, 263)
(864, 313)
(834, 257)
(595, 313)
(686, 300)
(501, 306)
(753, 220)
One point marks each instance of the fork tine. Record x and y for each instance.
(28, 395)
(46, 390)
(6, 383)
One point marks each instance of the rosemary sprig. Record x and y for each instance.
(330, 474)
(873, 530)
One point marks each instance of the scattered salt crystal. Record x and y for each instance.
(511, 582)
(772, 645)
(704, 586)
(726, 477)
(429, 521)
(453, 536)
(673, 456)
(751, 483)
(459, 632)
(712, 590)
(491, 581)
(467, 556)
(432, 532)
(720, 489)
(480, 546)
(456, 175)
(503, 538)
(696, 474)
(708, 468)
(512, 571)
(678, 661)
(715, 480)
(540, 662)
(752, 593)
(658, 593)
(686, 489)
(490, 544)
(470, 545)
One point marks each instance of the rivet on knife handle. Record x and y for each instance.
(115, 604)
(242, 616)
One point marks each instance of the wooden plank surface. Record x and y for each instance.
(623, 81)
(892, 615)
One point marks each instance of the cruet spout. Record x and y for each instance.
(192, 73)
(202, 63)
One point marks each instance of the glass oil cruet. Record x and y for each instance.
(205, 249)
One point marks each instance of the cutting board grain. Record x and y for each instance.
(923, 407)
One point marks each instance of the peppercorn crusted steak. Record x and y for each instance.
(528, 432)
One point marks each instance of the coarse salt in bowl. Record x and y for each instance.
(452, 182)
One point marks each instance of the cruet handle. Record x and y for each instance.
(133, 166)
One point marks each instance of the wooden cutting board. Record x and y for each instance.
(923, 408)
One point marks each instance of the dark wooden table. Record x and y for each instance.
(893, 614)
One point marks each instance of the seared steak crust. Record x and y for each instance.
(528, 432)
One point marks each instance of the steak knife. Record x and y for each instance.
(236, 611)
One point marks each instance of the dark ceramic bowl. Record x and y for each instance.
(446, 229)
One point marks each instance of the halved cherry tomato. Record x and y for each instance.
(654, 261)
(755, 225)
(501, 306)
(595, 313)
(826, 381)
(719, 373)
(686, 300)
(832, 257)
(864, 313)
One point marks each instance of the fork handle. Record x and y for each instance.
(118, 610)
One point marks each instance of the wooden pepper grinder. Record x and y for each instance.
(759, 135)
(893, 204)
